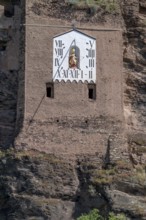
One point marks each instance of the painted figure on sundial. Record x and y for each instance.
(73, 60)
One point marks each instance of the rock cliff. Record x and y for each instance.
(39, 186)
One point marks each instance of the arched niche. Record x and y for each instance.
(74, 58)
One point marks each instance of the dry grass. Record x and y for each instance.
(103, 176)
(139, 175)
(108, 5)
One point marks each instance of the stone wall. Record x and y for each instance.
(71, 99)
(86, 163)
(70, 136)
(69, 123)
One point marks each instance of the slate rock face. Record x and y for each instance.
(134, 64)
(36, 185)
(10, 44)
(8, 94)
(40, 186)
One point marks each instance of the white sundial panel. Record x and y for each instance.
(74, 57)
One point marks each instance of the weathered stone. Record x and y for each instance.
(93, 167)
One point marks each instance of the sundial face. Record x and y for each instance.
(74, 57)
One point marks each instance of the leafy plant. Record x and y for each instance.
(108, 5)
(112, 216)
(103, 176)
(139, 175)
(94, 215)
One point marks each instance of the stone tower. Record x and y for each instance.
(69, 96)
(70, 111)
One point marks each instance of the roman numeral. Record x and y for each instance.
(82, 74)
(76, 73)
(91, 63)
(58, 43)
(90, 74)
(56, 62)
(58, 74)
(91, 43)
(65, 73)
(91, 53)
(59, 52)
(72, 73)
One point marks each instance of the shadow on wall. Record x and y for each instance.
(7, 8)
(10, 76)
(88, 196)
(8, 94)
(21, 78)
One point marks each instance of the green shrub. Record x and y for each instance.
(109, 5)
(112, 216)
(94, 215)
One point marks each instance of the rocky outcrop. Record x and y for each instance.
(8, 93)
(38, 186)
(35, 185)
(134, 64)
(10, 16)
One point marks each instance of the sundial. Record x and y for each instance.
(74, 57)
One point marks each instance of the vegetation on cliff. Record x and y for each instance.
(36, 185)
(45, 186)
(94, 215)
(107, 5)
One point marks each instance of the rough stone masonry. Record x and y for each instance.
(69, 154)
(70, 122)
